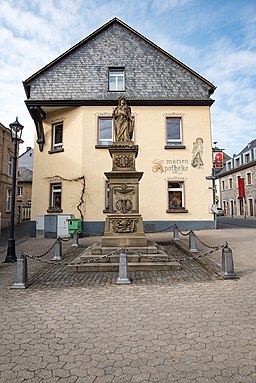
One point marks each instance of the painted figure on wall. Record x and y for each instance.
(197, 153)
(123, 121)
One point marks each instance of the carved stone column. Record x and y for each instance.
(124, 225)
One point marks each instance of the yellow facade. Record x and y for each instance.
(81, 158)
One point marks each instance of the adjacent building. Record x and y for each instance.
(237, 183)
(24, 192)
(71, 101)
(6, 163)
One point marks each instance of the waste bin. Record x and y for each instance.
(74, 225)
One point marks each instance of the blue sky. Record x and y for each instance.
(216, 38)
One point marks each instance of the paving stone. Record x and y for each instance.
(165, 327)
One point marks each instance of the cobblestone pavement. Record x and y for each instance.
(192, 327)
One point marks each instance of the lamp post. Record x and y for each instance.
(16, 129)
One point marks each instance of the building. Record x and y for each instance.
(24, 192)
(71, 101)
(237, 183)
(6, 163)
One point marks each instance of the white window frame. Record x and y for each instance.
(8, 200)
(116, 74)
(239, 158)
(20, 191)
(232, 183)
(105, 141)
(249, 154)
(55, 188)
(249, 173)
(10, 164)
(222, 185)
(176, 189)
(57, 145)
(229, 165)
(174, 141)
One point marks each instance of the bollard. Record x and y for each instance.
(228, 264)
(176, 233)
(21, 280)
(75, 239)
(57, 250)
(192, 242)
(123, 279)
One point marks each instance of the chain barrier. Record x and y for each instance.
(47, 252)
(160, 231)
(59, 263)
(64, 239)
(185, 234)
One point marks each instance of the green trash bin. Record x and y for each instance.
(74, 225)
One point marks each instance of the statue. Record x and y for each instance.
(197, 160)
(123, 121)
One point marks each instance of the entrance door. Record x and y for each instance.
(241, 206)
(250, 207)
(231, 208)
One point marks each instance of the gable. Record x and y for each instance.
(150, 73)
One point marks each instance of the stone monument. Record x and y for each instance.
(124, 224)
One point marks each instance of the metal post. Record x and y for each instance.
(228, 264)
(11, 252)
(21, 280)
(176, 233)
(57, 250)
(75, 239)
(123, 279)
(192, 242)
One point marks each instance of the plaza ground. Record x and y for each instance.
(164, 327)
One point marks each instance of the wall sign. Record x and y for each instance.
(170, 166)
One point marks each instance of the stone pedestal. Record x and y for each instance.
(124, 225)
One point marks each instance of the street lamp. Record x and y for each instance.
(16, 129)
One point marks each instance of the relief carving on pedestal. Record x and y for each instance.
(123, 161)
(124, 205)
(123, 225)
(123, 198)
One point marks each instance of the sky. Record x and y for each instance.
(215, 38)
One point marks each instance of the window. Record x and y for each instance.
(10, 160)
(176, 197)
(237, 162)
(116, 79)
(249, 178)
(105, 131)
(174, 134)
(230, 183)
(247, 158)
(55, 198)
(20, 191)
(8, 200)
(57, 133)
(223, 185)
(107, 195)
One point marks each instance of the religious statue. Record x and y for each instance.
(123, 121)
(197, 160)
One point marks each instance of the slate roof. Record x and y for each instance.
(250, 145)
(81, 73)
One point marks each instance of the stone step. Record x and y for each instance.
(130, 258)
(132, 266)
(97, 249)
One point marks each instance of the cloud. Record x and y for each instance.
(221, 47)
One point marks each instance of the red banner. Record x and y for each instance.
(241, 190)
